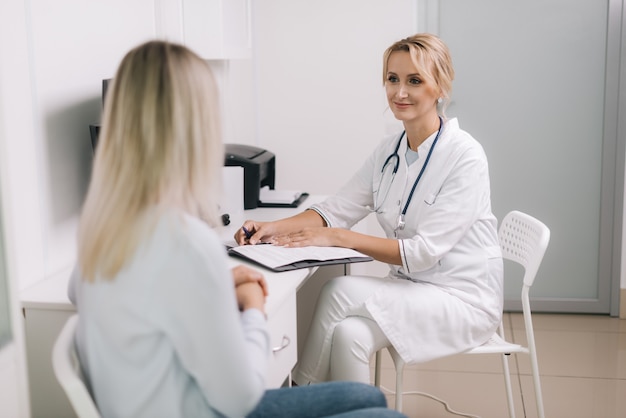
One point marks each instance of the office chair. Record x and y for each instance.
(68, 372)
(523, 240)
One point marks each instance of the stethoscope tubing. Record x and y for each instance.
(396, 156)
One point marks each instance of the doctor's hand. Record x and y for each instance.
(252, 232)
(318, 236)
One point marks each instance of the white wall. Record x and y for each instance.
(16, 142)
(53, 56)
(67, 48)
(320, 100)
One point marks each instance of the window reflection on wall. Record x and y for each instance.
(5, 320)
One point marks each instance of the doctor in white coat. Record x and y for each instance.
(429, 186)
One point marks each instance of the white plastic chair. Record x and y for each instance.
(524, 240)
(68, 372)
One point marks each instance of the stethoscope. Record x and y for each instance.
(393, 162)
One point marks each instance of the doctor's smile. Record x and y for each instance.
(402, 105)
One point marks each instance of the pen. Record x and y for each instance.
(245, 231)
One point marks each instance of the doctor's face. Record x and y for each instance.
(411, 96)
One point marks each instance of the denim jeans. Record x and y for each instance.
(331, 399)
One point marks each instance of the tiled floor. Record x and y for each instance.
(582, 362)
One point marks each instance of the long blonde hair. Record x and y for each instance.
(160, 146)
(431, 56)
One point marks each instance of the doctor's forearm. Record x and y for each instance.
(384, 250)
(308, 218)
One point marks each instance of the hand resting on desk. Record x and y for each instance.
(250, 288)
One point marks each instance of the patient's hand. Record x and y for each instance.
(250, 288)
(243, 274)
(249, 296)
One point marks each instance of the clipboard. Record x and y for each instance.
(276, 258)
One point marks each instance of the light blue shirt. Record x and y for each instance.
(165, 338)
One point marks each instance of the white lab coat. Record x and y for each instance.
(448, 294)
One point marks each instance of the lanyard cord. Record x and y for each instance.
(419, 176)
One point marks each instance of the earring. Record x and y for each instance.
(439, 100)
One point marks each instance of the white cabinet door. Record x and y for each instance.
(214, 29)
(217, 29)
(283, 339)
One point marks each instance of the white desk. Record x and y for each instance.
(289, 307)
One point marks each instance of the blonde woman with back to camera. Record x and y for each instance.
(165, 328)
(429, 188)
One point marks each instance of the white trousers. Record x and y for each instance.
(343, 335)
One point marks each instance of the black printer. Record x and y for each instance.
(259, 170)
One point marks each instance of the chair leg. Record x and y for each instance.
(399, 379)
(399, 366)
(532, 350)
(537, 384)
(507, 385)
(377, 369)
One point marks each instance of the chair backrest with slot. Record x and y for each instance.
(524, 240)
(69, 374)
